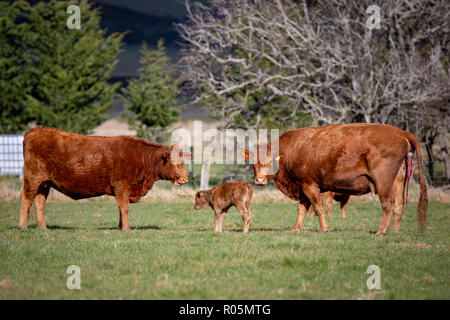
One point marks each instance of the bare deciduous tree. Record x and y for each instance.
(252, 59)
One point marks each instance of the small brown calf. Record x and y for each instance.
(224, 196)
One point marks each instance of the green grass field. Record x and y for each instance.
(173, 253)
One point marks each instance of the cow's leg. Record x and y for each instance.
(312, 213)
(398, 200)
(25, 205)
(328, 201)
(387, 204)
(344, 202)
(246, 216)
(123, 202)
(384, 177)
(39, 203)
(302, 209)
(124, 208)
(27, 195)
(219, 215)
(386, 195)
(313, 194)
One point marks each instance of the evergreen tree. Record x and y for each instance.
(151, 96)
(70, 68)
(14, 77)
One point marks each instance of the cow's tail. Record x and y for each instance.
(423, 199)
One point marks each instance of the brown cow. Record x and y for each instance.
(88, 166)
(350, 159)
(343, 199)
(222, 197)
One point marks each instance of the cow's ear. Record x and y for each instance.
(176, 154)
(245, 154)
(165, 157)
(187, 155)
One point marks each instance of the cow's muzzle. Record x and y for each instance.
(261, 181)
(181, 181)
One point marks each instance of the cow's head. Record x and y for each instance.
(264, 168)
(201, 199)
(172, 167)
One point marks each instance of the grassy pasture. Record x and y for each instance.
(173, 253)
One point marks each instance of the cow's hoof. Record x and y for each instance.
(295, 229)
(23, 227)
(44, 228)
(323, 230)
(126, 229)
(381, 233)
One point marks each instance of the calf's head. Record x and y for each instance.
(172, 165)
(201, 199)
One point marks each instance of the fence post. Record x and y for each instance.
(204, 178)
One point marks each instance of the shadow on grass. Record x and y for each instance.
(50, 227)
(56, 227)
(148, 227)
(250, 230)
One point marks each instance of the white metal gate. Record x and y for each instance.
(11, 155)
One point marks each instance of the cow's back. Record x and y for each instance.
(77, 165)
(336, 155)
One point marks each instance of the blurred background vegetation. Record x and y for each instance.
(118, 74)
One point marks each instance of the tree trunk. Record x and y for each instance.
(443, 154)
(429, 147)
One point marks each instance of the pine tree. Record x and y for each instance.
(151, 96)
(70, 68)
(14, 77)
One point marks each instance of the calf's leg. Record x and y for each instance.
(219, 215)
(246, 216)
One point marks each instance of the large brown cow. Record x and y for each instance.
(89, 166)
(352, 159)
